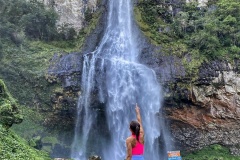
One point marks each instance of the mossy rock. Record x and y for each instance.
(94, 158)
(9, 113)
(50, 140)
(36, 142)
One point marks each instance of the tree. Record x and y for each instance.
(41, 23)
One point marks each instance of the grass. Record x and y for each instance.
(213, 152)
(23, 70)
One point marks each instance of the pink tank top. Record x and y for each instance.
(138, 149)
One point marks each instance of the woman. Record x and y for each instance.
(135, 143)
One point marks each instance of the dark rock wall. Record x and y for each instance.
(66, 70)
(206, 111)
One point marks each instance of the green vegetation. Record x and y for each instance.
(29, 37)
(9, 113)
(35, 133)
(23, 70)
(213, 152)
(194, 34)
(12, 147)
(20, 18)
(31, 124)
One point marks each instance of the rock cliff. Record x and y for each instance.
(200, 2)
(201, 110)
(72, 12)
(66, 70)
(206, 111)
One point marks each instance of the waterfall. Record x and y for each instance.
(113, 76)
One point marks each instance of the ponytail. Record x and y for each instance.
(137, 133)
(135, 127)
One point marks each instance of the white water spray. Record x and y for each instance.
(121, 82)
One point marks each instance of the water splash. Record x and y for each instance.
(120, 82)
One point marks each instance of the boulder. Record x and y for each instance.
(94, 158)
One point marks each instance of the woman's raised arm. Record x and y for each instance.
(139, 119)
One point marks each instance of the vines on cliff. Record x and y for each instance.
(191, 32)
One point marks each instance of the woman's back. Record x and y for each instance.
(138, 148)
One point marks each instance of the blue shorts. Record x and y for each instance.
(137, 157)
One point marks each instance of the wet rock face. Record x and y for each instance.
(192, 138)
(9, 113)
(67, 69)
(64, 70)
(207, 111)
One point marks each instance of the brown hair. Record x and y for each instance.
(135, 128)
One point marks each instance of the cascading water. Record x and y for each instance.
(121, 82)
